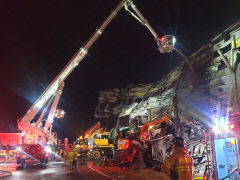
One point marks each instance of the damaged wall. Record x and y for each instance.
(139, 103)
(115, 105)
(107, 101)
(190, 98)
(212, 89)
(213, 86)
(183, 94)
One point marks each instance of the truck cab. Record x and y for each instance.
(32, 153)
(82, 145)
(99, 145)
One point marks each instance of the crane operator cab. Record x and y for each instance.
(166, 43)
(100, 145)
(82, 145)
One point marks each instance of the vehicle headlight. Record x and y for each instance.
(48, 149)
(19, 149)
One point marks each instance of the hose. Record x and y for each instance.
(6, 173)
(229, 175)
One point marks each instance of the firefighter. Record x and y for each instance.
(179, 165)
(75, 158)
(69, 161)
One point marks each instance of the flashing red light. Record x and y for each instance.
(163, 39)
(127, 145)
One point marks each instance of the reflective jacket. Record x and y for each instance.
(70, 156)
(75, 152)
(179, 165)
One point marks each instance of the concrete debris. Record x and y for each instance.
(188, 98)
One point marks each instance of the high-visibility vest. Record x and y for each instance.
(75, 152)
(70, 156)
(179, 164)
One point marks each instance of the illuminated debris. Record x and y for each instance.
(188, 98)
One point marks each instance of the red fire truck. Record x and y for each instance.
(31, 153)
(8, 143)
(40, 130)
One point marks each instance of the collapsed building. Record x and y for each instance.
(189, 96)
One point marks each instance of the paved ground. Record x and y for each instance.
(130, 174)
(86, 170)
(53, 171)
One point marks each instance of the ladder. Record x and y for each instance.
(209, 168)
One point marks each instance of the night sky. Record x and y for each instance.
(38, 38)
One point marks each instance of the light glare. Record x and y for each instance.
(48, 149)
(150, 127)
(216, 121)
(174, 40)
(222, 119)
(215, 129)
(225, 128)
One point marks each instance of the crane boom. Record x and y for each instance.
(56, 86)
(24, 122)
(74, 61)
(139, 17)
(93, 130)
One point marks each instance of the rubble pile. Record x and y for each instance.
(188, 97)
(193, 133)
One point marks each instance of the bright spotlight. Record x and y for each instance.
(166, 43)
(174, 40)
(48, 149)
(216, 120)
(19, 149)
(150, 127)
(222, 120)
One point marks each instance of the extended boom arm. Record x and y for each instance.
(76, 59)
(55, 89)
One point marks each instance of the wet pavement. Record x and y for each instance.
(86, 170)
(54, 170)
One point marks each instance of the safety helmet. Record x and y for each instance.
(179, 141)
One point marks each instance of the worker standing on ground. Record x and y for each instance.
(179, 165)
(69, 159)
(75, 159)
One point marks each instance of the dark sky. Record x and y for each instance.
(37, 39)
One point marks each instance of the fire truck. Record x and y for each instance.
(222, 147)
(40, 130)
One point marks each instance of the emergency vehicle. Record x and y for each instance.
(8, 143)
(32, 153)
(40, 130)
(222, 146)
